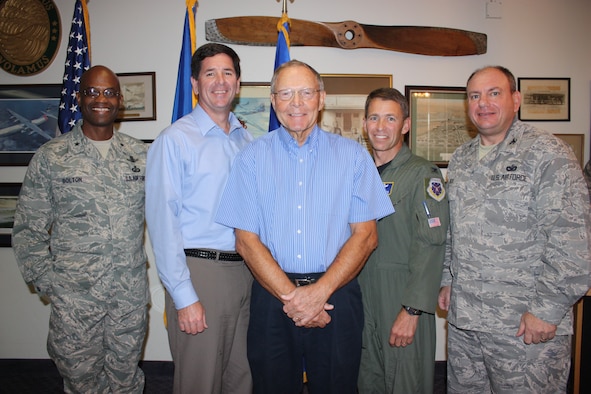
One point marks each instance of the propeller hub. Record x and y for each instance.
(348, 34)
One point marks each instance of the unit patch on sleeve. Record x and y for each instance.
(435, 189)
(388, 186)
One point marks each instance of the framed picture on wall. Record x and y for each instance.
(28, 119)
(544, 99)
(344, 107)
(139, 96)
(439, 122)
(8, 197)
(252, 105)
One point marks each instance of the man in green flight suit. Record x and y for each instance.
(400, 281)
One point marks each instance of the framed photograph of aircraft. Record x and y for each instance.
(252, 106)
(28, 119)
(139, 96)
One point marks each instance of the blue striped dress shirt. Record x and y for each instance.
(301, 200)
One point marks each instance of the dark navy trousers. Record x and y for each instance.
(279, 351)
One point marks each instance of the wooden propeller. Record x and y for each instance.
(433, 41)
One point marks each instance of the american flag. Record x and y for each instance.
(77, 61)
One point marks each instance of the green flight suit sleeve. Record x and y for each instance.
(430, 225)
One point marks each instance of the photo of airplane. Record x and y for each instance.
(254, 112)
(25, 125)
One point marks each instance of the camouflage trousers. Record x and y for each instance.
(480, 362)
(96, 347)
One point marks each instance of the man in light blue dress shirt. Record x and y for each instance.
(207, 283)
(304, 204)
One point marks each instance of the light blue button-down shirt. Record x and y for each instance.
(300, 201)
(187, 168)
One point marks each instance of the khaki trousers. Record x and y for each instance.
(214, 361)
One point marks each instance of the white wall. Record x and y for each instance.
(534, 38)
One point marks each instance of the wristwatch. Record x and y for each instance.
(412, 311)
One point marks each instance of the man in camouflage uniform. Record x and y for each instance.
(519, 253)
(78, 239)
(400, 281)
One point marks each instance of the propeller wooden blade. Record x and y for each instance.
(433, 41)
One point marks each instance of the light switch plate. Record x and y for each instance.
(494, 10)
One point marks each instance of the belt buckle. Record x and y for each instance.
(207, 254)
(303, 282)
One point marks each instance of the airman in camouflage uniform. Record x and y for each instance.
(520, 249)
(78, 238)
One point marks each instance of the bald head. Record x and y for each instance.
(97, 72)
(99, 100)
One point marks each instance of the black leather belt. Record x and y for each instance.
(213, 255)
(304, 279)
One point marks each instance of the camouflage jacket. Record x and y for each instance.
(80, 216)
(587, 175)
(520, 236)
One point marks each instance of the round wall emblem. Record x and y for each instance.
(29, 35)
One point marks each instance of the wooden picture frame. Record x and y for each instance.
(139, 96)
(544, 99)
(8, 197)
(439, 121)
(344, 107)
(28, 119)
(577, 143)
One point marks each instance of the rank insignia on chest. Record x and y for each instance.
(388, 186)
(435, 189)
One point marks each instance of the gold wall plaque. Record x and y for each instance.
(29, 35)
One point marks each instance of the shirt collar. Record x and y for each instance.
(207, 125)
(290, 143)
(401, 157)
(80, 143)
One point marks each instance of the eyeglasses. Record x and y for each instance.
(287, 94)
(94, 93)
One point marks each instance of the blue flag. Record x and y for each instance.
(184, 99)
(281, 56)
(77, 61)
